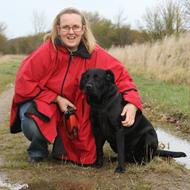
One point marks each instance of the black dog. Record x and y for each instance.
(138, 143)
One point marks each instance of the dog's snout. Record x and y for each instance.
(88, 86)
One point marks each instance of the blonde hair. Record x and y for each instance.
(87, 38)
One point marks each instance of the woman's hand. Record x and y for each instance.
(129, 111)
(64, 103)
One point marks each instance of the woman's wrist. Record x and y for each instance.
(55, 101)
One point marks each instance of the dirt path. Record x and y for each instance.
(5, 103)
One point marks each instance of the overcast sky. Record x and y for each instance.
(18, 14)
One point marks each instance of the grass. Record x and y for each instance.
(166, 60)
(8, 67)
(168, 97)
(165, 103)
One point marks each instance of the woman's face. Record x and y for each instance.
(71, 30)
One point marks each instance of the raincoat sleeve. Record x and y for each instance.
(123, 80)
(32, 76)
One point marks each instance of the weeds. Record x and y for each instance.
(167, 60)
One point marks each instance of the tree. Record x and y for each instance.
(173, 17)
(120, 19)
(117, 33)
(102, 28)
(93, 18)
(187, 12)
(39, 22)
(2, 28)
(3, 38)
(164, 20)
(122, 31)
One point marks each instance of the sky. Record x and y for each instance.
(18, 15)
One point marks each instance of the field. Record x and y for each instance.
(165, 101)
(167, 60)
(8, 67)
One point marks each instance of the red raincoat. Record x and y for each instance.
(48, 72)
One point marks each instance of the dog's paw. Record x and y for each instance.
(120, 169)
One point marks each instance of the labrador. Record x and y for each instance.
(135, 144)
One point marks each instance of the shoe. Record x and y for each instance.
(35, 159)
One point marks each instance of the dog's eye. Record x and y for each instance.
(87, 76)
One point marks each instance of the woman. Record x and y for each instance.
(47, 83)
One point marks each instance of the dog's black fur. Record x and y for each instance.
(138, 143)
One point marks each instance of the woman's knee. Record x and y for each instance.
(29, 128)
(28, 125)
(23, 109)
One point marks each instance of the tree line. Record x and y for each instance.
(167, 18)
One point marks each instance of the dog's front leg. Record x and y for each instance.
(99, 138)
(99, 149)
(120, 140)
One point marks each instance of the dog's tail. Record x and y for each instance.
(171, 154)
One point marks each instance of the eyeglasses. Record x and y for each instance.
(75, 28)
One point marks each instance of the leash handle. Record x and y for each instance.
(71, 123)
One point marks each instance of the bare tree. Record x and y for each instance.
(39, 22)
(187, 5)
(173, 17)
(93, 18)
(120, 18)
(165, 19)
(3, 39)
(153, 23)
(187, 12)
(2, 28)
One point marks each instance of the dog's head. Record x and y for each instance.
(96, 82)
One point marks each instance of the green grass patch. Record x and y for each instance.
(164, 97)
(8, 67)
(7, 73)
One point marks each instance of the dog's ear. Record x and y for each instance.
(110, 76)
(82, 81)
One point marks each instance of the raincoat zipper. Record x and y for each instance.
(68, 66)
